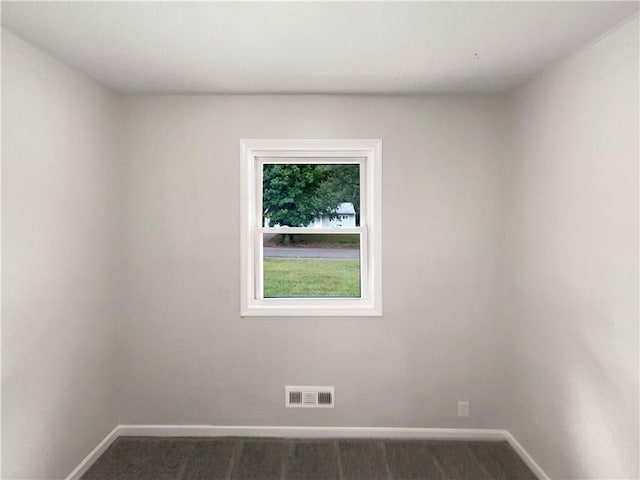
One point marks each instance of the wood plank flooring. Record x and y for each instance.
(233, 458)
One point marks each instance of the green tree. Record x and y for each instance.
(289, 193)
(296, 194)
(342, 184)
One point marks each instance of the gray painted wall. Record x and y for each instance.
(572, 318)
(60, 263)
(190, 358)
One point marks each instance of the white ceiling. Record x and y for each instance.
(368, 47)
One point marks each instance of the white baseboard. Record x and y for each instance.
(309, 432)
(304, 432)
(528, 459)
(85, 464)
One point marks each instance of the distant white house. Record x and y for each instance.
(345, 217)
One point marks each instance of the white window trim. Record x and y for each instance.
(370, 303)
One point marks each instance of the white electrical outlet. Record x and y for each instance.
(463, 409)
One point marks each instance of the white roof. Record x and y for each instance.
(346, 208)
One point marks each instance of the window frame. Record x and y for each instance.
(367, 152)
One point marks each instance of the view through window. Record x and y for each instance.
(314, 197)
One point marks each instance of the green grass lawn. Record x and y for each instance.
(320, 240)
(311, 277)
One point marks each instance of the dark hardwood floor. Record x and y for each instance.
(151, 458)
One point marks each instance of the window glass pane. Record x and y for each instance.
(311, 195)
(311, 265)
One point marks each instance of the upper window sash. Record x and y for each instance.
(260, 161)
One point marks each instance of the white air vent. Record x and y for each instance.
(309, 397)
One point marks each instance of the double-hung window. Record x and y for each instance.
(311, 227)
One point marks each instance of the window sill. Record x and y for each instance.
(300, 311)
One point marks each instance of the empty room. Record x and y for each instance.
(320, 240)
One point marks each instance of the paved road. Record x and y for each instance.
(298, 252)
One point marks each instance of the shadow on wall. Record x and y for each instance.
(601, 442)
(583, 427)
